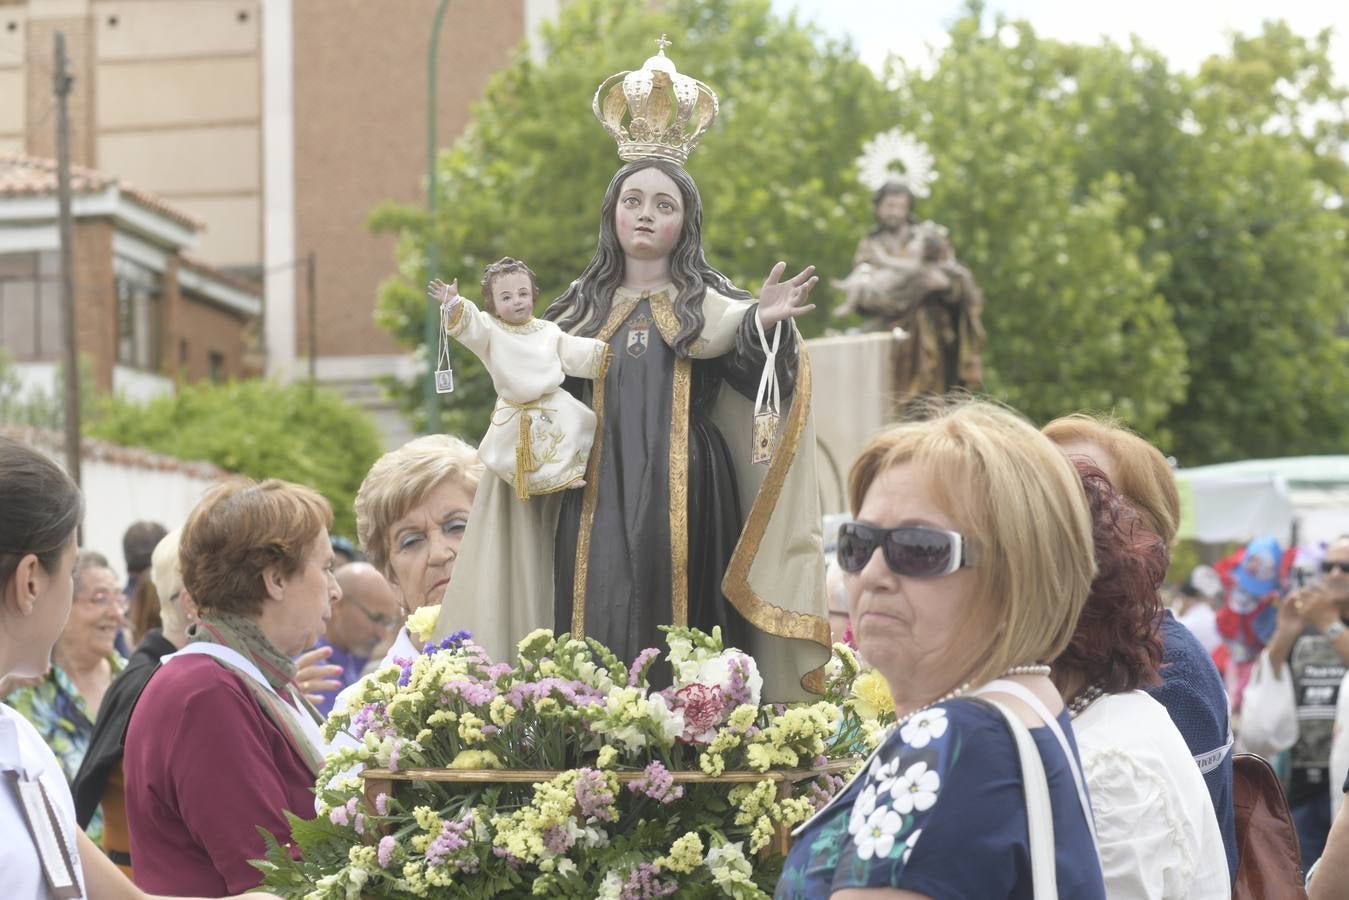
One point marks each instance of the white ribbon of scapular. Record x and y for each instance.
(769, 397)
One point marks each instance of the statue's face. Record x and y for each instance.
(513, 297)
(650, 215)
(893, 210)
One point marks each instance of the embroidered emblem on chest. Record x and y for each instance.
(639, 335)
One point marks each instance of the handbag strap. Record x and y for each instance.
(1026, 696)
(1039, 811)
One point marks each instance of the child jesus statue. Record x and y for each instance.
(540, 438)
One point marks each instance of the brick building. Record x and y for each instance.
(280, 125)
(145, 312)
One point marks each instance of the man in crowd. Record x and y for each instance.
(1310, 647)
(363, 620)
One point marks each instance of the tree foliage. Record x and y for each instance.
(257, 428)
(1153, 243)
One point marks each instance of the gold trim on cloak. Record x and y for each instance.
(662, 311)
(757, 611)
(617, 316)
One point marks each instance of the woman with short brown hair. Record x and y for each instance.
(222, 741)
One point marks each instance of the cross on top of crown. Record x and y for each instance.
(662, 44)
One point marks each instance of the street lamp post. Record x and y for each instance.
(432, 329)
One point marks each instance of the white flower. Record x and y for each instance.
(717, 671)
(669, 721)
(611, 888)
(893, 155)
(877, 837)
(728, 865)
(884, 775)
(913, 839)
(862, 808)
(916, 789)
(924, 728)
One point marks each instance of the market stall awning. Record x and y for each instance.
(1241, 500)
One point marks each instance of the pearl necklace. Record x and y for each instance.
(1079, 704)
(1035, 669)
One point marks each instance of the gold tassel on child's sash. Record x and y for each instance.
(524, 447)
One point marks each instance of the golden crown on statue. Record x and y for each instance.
(666, 112)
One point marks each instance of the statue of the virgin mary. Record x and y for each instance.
(676, 523)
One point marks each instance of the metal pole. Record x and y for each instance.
(431, 331)
(62, 81)
(312, 291)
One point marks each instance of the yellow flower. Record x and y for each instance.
(608, 755)
(476, 759)
(686, 854)
(871, 695)
(501, 711)
(422, 622)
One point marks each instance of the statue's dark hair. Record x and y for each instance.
(886, 190)
(40, 508)
(584, 307)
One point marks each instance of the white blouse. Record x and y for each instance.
(1157, 832)
(22, 750)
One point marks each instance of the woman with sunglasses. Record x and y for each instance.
(967, 565)
(43, 853)
(1156, 829)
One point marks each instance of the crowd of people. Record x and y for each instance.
(1056, 722)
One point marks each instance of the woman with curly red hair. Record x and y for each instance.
(1156, 830)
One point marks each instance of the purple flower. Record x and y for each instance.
(382, 803)
(386, 845)
(450, 839)
(338, 816)
(593, 795)
(556, 839)
(472, 692)
(737, 691)
(643, 883)
(639, 665)
(453, 642)
(657, 783)
(405, 665)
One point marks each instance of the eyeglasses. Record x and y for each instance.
(913, 550)
(104, 599)
(379, 619)
(1328, 566)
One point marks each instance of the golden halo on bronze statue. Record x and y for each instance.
(666, 113)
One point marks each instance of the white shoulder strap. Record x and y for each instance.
(228, 655)
(1026, 696)
(1039, 811)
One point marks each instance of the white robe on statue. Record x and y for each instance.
(527, 363)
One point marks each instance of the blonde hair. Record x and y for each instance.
(241, 528)
(400, 479)
(1014, 494)
(167, 575)
(1137, 469)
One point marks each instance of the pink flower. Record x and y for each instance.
(382, 804)
(386, 845)
(702, 707)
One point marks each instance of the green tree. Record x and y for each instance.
(775, 171)
(257, 428)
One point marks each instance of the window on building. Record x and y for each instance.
(217, 366)
(30, 305)
(138, 315)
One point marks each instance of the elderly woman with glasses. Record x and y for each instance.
(64, 703)
(967, 566)
(411, 512)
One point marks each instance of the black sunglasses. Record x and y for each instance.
(913, 550)
(1327, 567)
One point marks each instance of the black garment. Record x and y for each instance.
(628, 582)
(106, 743)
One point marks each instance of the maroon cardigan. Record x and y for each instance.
(204, 766)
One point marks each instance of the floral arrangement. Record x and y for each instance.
(626, 806)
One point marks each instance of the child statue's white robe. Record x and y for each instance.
(528, 363)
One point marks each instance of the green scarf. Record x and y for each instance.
(243, 635)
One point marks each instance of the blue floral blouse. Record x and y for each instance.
(939, 809)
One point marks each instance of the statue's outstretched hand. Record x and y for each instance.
(447, 295)
(780, 300)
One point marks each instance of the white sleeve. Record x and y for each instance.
(1154, 830)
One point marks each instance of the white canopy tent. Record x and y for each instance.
(1243, 500)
